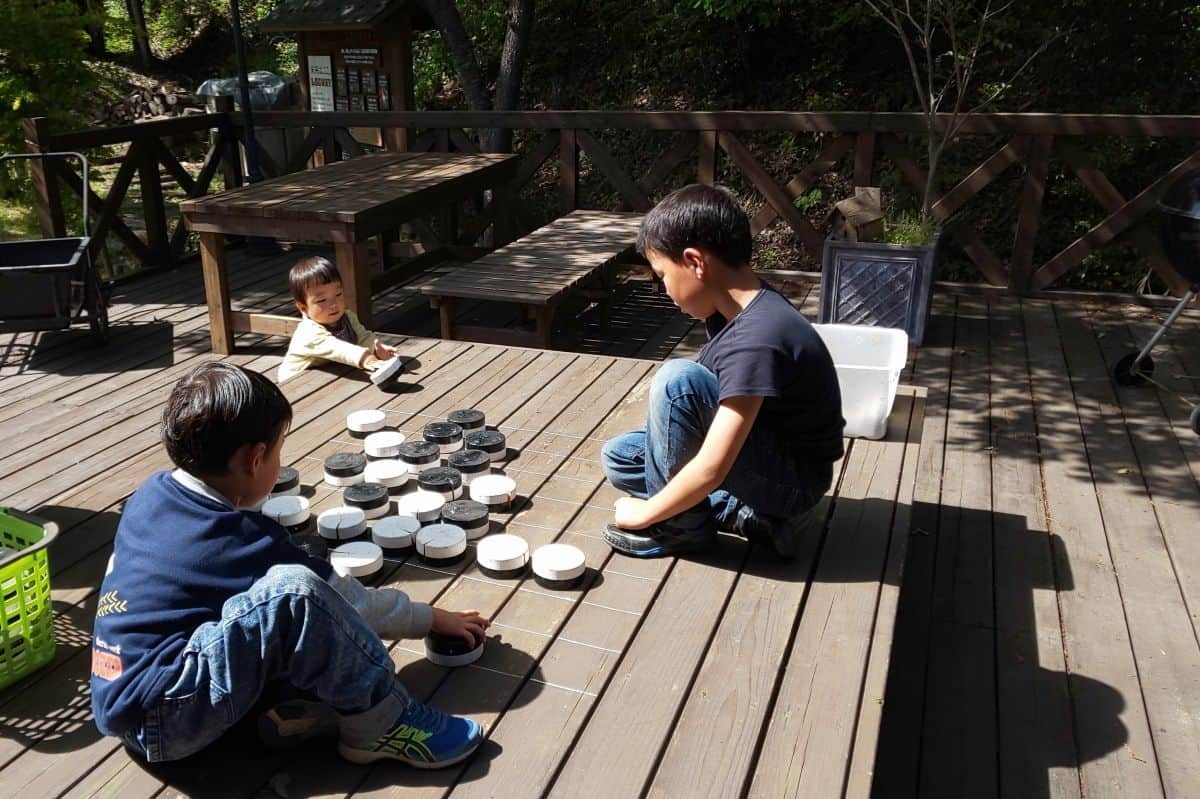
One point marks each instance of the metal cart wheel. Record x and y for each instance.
(1124, 372)
(1195, 419)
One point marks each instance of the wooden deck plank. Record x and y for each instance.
(1036, 735)
(1113, 735)
(959, 743)
(1164, 642)
(807, 742)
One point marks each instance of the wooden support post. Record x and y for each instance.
(864, 158)
(154, 210)
(446, 313)
(216, 292)
(1029, 216)
(354, 264)
(47, 198)
(231, 158)
(706, 171)
(568, 171)
(330, 148)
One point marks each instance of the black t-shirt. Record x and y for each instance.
(770, 350)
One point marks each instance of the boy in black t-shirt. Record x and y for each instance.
(745, 438)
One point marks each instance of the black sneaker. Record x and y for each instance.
(656, 541)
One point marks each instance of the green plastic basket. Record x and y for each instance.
(26, 614)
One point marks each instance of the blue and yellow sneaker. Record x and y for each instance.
(657, 541)
(423, 737)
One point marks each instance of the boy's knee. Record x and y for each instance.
(678, 377)
(291, 579)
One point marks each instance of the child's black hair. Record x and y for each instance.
(707, 217)
(314, 270)
(216, 408)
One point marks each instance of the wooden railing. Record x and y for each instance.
(868, 143)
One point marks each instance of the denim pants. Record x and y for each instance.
(767, 480)
(290, 626)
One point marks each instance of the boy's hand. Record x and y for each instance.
(383, 352)
(630, 513)
(467, 624)
(370, 362)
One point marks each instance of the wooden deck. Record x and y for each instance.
(1046, 637)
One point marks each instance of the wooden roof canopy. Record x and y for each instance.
(325, 15)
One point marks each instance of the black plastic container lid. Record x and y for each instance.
(442, 478)
(288, 479)
(419, 452)
(467, 418)
(465, 513)
(469, 461)
(346, 464)
(365, 496)
(485, 440)
(442, 433)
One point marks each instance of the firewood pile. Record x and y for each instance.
(156, 100)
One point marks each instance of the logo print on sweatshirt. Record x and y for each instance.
(109, 604)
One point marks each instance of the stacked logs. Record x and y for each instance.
(160, 99)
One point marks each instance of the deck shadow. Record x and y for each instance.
(143, 346)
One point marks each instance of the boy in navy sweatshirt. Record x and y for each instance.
(208, 605)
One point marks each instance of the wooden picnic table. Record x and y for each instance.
(346, 204)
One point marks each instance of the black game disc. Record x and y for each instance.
(466, 513)
(288, 479)
(345, 464)
(467, 419)
(442, 433)
(419, 452)
(365, 496)
(470, 461)
(489, 441)
(445, 479)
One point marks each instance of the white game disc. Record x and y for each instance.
(457, 654)
(395, 532)
(387, 473)
(356, 559)
(493, 489)
(343, 482)
(502, 553)
(558, 562)
(378, 511)
(387, 370)
(365, 421)
(384, 444)
(424, 505)
(341, 522)
(288, 511)
(441, 541)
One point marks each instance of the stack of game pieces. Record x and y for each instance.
(345, 468)
(341, 523)
(356, 559)
(558, 566)
(396, 534)
(470, 515)
(451, 650)
(468, 419)
(384, 444)
(289, 511)
(390, 474)
(420, 455)
(359, 423)
(441, 544)
(490, 441)
(447, 435)
(371, 498)
(471, 463)
(287, 484)
(503, 557)
(444, 480)
(424, 506)
(497, 491)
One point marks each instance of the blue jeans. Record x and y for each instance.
(768, 481)
(290, 626)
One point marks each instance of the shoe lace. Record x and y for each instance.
(425, 717)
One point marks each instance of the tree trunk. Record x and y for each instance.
(141, 37)
(93, 12)
(512, 64)
(445, 16)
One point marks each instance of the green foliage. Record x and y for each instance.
(908, 229)
(42, 72)
(808, 200)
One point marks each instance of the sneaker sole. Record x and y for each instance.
(363, 757)
(621, 544)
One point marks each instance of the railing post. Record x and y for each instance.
(568, 170)
(706, 170)
(231, 162)
(864, 158)
(154, 210)
(46, 194)
(1029, 217)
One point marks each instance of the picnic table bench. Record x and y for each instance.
(536, 272)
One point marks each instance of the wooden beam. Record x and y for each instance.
(216, 292)
(1030, 213)
(1112, 225)
(461, 142)
(315, 138)
(154, 210)
(199, 188)
(111, 210)
(173, 167)
(706, 169)
(264, 323)
(826, 160)
(864, 158)
(568, 173)
(776, 197)
(96, 209)
(665, 164)
(981, 177)
(630, 191)
(533, 160)
(348, 143)
(46, 195)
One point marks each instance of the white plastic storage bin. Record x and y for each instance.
(868, 362)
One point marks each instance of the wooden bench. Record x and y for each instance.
(536, 272)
